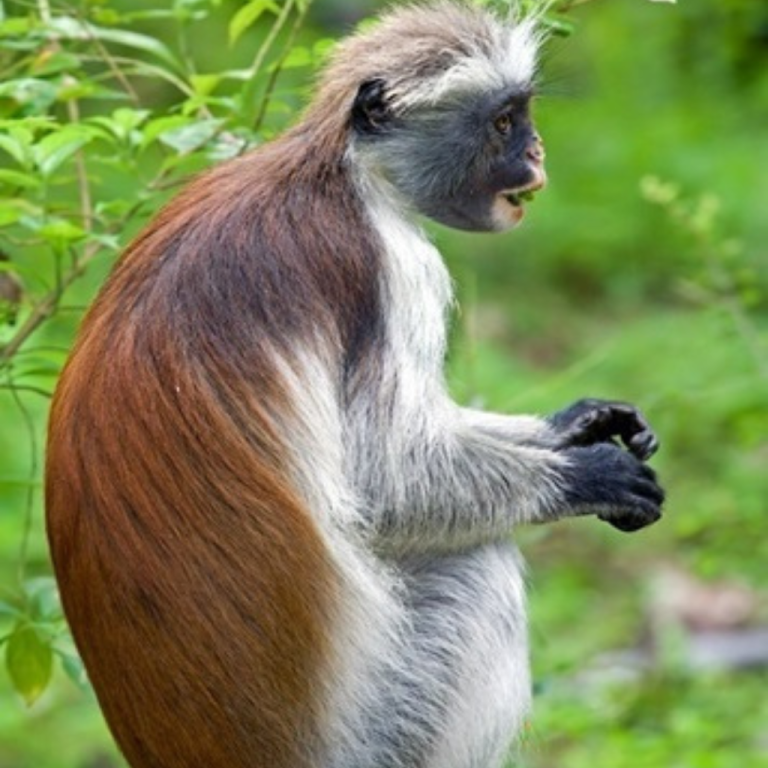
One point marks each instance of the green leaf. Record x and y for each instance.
(42, 593)
(128, 119)
(56, 148)
(559, 27)
(29, 661)
(190, 137)
(30, 122)
(247, 16)
(10, 213)
(74, 669)
(236, 74)
(204, 84)
(323, 48)
(162, 125)
(81, 88)
(18, 26)
(49, 63)
(33, 92)
(18, 144)
(18, 179)
(68, 28)
(299, 56)
(123, 123)
(60, 232)
(6, 609)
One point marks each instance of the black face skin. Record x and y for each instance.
(459, 162)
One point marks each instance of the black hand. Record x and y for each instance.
(605, 480)
(592, 421)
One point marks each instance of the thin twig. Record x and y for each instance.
(110, 61)
(44, 9)
(31, 489)
(741, 320)
(278, 66)
(47, 306)
(137, 65)
(83, 184)
(261, 54)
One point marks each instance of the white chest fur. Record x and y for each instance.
(417, 294)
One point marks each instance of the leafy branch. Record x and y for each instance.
(726, 277)
(97, 121)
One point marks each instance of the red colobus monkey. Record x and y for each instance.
(279, 543)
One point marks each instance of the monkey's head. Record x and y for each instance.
(438, 100)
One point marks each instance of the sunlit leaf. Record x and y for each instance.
(558, 26)
(247, 16)
(18, 179)
(43, 593)
(36, 94)
(74, 669)
(299, 56)
(123, 122)
(56, 148)
(49, 62)
(190, 137)
(60, 232)
(16, 149)
(29, 661)
(18, 26)
(9, 213)
(68, 28)
(82, 88)
(162, 125)
(204, 84)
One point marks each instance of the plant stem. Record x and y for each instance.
(47, 307)
(30, 501)
(44, 9)
(261, 54)
(81, 171)
(295, 27)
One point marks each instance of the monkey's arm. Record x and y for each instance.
(477, 475)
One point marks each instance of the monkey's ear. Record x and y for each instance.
(371, 112)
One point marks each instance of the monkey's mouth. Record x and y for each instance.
(517, 199)
(524, 194)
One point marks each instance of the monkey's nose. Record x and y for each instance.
(535, 150)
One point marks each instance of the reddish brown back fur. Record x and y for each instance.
(197, 586)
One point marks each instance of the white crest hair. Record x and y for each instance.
(509, 60)
(426, 51)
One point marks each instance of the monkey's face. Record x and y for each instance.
(468, 161)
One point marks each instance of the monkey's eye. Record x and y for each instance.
(503, 123)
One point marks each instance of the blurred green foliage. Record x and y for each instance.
(641, 273)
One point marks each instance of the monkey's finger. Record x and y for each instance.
(640, 515)
(643, 445)
(632, 427)
(649, 491)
